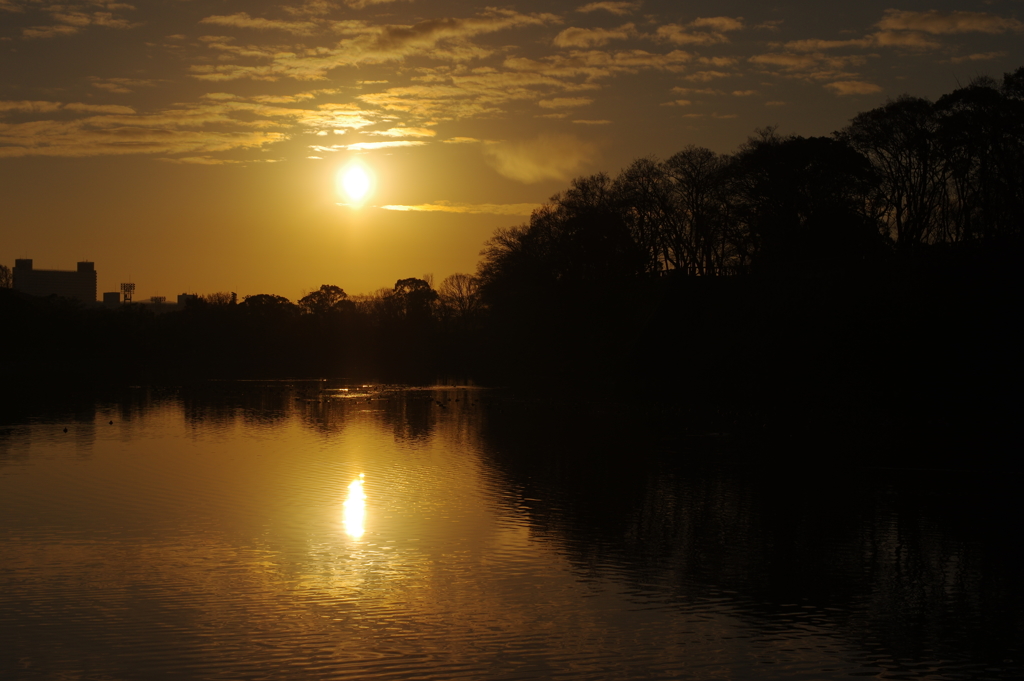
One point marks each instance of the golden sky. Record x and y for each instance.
(193, 145)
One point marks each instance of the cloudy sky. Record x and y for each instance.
(193, 145)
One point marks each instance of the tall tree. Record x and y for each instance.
(219, 298)
(267, 305)
(701, 232)
(804, 202)
(644, 200)
(460, 296)
(324, 301)
(968, 133)
(415, 298)
(901, 141)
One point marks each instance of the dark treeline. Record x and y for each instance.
(393, 335)
(872, 275)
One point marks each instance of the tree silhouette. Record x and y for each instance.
(459, 295)
(1013, 84)
(701, 190)
(901, 141)
(325, 300)
(414, 298)
(981, 133)
(805, 201)
(219, 298)
(644, 201)
(267, 304)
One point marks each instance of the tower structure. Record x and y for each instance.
(126, 292)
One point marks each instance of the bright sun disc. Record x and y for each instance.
(354, 182)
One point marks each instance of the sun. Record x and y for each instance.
(354, 183)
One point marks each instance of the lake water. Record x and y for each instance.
(211, 535)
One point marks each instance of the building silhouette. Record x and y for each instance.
(79, 284)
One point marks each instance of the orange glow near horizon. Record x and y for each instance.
(355, 509)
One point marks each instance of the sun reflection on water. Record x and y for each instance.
(355, 509)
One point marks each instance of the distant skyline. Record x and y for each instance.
(193, 146)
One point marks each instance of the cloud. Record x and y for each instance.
(243, 20)
(912, 39)
(440, 39)
(705, 76)
(461, 140)
(593, 37)
(937, 22)
(451, 93)
(445, 91)
(392, 39)
(367, 146)
(311, 8)
(591, 122)
(50, 107)
(597, 64)
(72, 16)
(564, 102)
(49, 31)
(696, 91)
(403, 132)
(547, 157)
(722, 24)
(220, 97)
(613, 7)
(360, 4)
(30, 106)
(220, 123)
(786, 60)
(818, 67)
(469, 208)
(900, 28)
(814, 45)
(107, 138)
(448, 101)
(297, 97)
(815, 66)
(701, 31)
(881, 39)
(99, 108)
(853, 87)
(202, 160)
(331, 116)
(981, 56)
(718, 61)
(121, 85)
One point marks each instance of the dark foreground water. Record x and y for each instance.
(221, 535)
